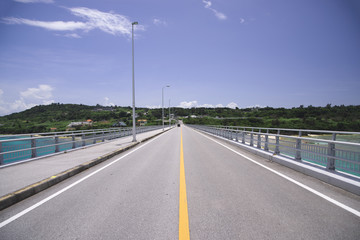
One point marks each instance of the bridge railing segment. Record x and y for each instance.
(333, 150)
(15, 148)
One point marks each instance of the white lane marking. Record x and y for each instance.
(339, 204)
(22, 213)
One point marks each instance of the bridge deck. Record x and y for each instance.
(229, 194)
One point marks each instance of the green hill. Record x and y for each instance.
(337, 118)
(57, 117)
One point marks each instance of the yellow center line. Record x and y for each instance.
(184, 233)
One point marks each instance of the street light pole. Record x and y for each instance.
(163, 105)
(169, 114)
(133, 84)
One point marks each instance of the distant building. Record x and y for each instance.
(76, 124)
(102, 108)
(142, 122)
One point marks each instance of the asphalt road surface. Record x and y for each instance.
(141, 194)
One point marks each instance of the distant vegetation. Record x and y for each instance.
(337, 118)
(57, 117)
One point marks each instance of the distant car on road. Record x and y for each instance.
(119, 124)
(178, 124)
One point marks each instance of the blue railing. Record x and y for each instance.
(333, 150)
(15, 148)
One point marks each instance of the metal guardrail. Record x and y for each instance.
(15, 148)
(296, 144)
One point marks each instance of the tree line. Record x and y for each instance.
(57, 116)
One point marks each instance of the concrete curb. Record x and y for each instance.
(28, 191)
(332, 178)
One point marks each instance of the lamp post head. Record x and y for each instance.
(135, 23)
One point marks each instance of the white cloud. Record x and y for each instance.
(206, 105)
(47, 102)
(153, 106)
(35, 1)
(54, 26)
(159, 22)
(232, 105)
(42, 95)
(242, 20)
(256, 106)
(190, 104)
(72, 35)
(111, 23)
(219, 15)
(108, 102)
(195, 104)
(43, 92)
(207, 4)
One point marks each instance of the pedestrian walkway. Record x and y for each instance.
(19, 176)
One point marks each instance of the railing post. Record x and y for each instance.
(277, 149)
(57, 144)
(1, 155)
(259, 140)
(266, 147)
(83, 139)
(298, 148)
(237, 135)
(243, 137)
(252, 137)
(73, 141)
(94, 137)
(103, 136)
(33, 147)
(331, 154)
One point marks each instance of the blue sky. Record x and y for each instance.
(244, 53)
